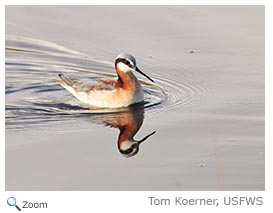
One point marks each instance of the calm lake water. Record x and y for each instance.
(202, 120)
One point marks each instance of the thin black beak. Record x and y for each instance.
(144, 74)
(146, 137)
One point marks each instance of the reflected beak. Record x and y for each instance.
(146, 137)
(142, 73)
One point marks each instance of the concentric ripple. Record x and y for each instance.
(33, 96)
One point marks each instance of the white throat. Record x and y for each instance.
(123, 67)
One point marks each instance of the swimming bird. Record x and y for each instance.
(123, 92)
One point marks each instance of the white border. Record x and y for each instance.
(2, 98)
(135, 2)
(137, 201)
(268, 99)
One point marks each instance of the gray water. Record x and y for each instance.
(204, 114)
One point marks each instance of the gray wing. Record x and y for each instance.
(80, 86)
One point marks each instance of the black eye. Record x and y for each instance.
(127, 62)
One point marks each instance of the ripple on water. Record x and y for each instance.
(33, 96)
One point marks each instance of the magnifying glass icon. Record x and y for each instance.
(12, 202)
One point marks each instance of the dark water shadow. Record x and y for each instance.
(129, 123)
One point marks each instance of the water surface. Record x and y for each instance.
(201, 126)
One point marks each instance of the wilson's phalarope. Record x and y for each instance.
(124, 91)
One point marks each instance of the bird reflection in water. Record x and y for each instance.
(128, 122)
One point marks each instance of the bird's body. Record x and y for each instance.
(124, 91)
